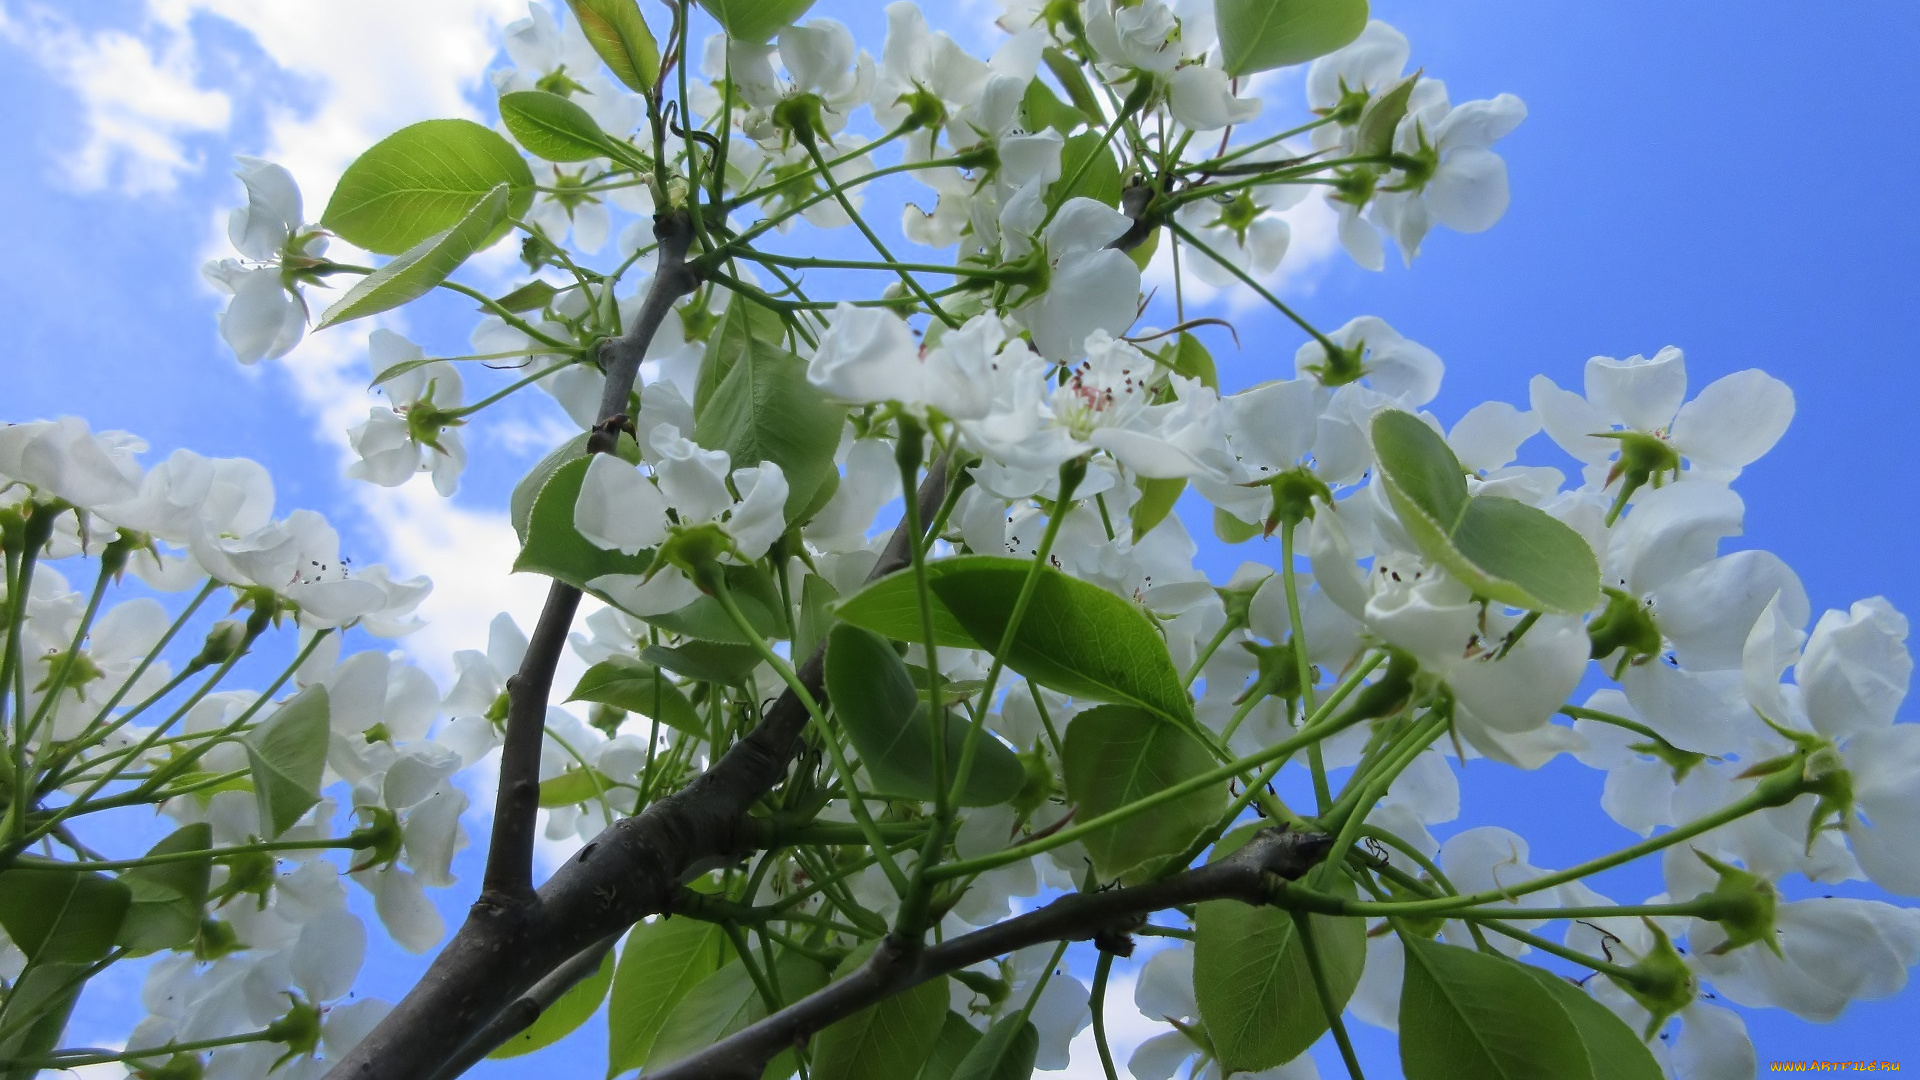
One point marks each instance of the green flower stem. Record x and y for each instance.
(1370, 789)
(1179, 932)
(1046, 720)
(1213, 646)
(1106, 519)
(349, 843)
(36, 532)
(1268, 176)
(1206, 167)
(1040, 984)
(767, 991)
(57, 680)
(1699, 908)
(594, 776)
(1303, 925)
(1264, 293)
(506, 316)
(1322, 795)
(19, 1024)
(754, 195)
(1547, 945)
(1101, 969)
(1319, 727)
(767, 225)
(840, 833)
(798, 262)
(767, 300)
(1579, 713)
(1176, 863)
(75, 1059)
(465, 411)
(1759, 799)
(833, 185)
(1133, 103)
(717, 583)
(958, 480)
(146, 662)
(1070, 475)
(913, 913)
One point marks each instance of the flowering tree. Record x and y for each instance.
(849, 780)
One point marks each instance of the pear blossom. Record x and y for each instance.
(395, 443)
(1450, 176)
(1090, 286)
(1149, 39)
(267, 316)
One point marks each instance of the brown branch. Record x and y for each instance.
(508, 881)
(631, 870)
(898, 965)
(526, 1008)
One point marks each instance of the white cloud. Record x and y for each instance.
(141, 99)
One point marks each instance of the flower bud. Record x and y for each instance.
(1279, 672)
(247, 872)
(1661, 982)
(215, 940)
(1294, 492)
(1037, 785)
(1743, 903)
(379, 838)
(298, 1029)
(1625, 626)
(226, 641)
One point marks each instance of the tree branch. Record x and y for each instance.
(526, 1008)
(898, 965)
(631, 870)
(508, 882)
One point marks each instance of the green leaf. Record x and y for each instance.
(555, 548)
(62, 916)
(1613, 1050)
(168, 898)
(727, 1001)
(706, 661)
(957, 1039)
(1464, 1013)
(1101, 182)
(1500, 548)
(1156, 501)
(662, 961)
(422, 267)
(1373, 135)
(1190, 359)
(619, 34)
(564, 1016)
(764, 409)
(755, 21)
(1260, 35)
(753, 590)
(882, 712)
(1116, 755)
(741, 324)
(520, 505)
(287, 756)
(816, 614)
(1076, 637)
(1251, 978)
(553, 128)
(1006, 1052)
(884, 1041)
(422, 180)
(1072, 79)
(639, 687)
(1231, 529)
(1040, 110)
(533, 296)
(573, 787)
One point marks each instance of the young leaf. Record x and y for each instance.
(1260, 35)
(520, 505)
(553, 128)
(62, 916)
(1251, 978)
(957, 1040)
(1072, 79)
(532, 296)
(1076, 637)
(1156, 501)
(1464, 1013)
(619, 34)
(743, 323)
(661, 963)
(1373, 135)
(422, 180)
(766, 410)
(422, 267)
(753, 590)
(564, 1016)
(573, 787)
(1006, 1052)
(1190, 359)
(755, 21)
(1613, 1050)
(1116, 755)
(287, 757)
(727, 1001)
(816, 614)
(707, 661)
(1500, 548)
(555, 548)
(1101, 182)
(884, 1041)
(639, 687)
(881, 710)
(165, 912)
(1040, 110)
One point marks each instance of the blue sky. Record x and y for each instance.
(1729, 179)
